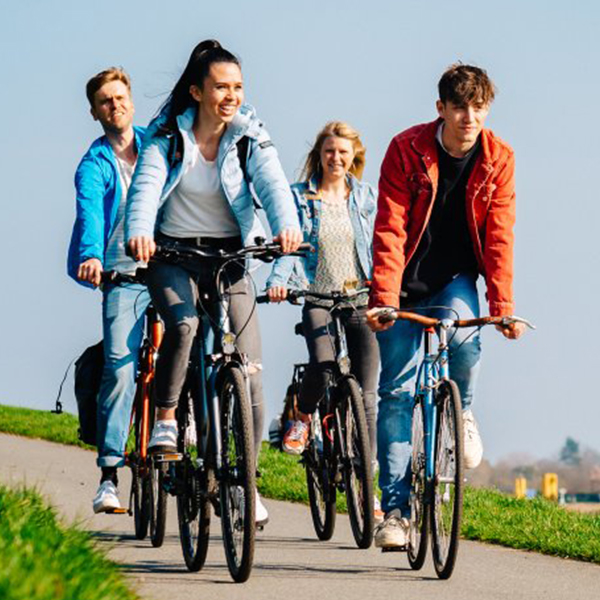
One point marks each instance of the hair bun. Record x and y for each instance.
(205, 46)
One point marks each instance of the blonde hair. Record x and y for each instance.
(312, 166)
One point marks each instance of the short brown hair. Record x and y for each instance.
(312, 166)
(465, 84)
(97, 81)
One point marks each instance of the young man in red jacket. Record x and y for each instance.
(446, 212)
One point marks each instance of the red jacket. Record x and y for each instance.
(407, 189)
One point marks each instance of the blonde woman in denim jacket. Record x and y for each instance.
(190, 186)
(337, 213)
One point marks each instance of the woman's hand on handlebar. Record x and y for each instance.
(142, 248)
(513, 331)
(373, 318)
(277, 293)
(289, 239)
(90, 271)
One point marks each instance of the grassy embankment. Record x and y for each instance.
(489, 515)
(40, 559)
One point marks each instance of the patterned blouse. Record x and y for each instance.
(338, 260)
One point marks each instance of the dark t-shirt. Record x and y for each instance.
(446, 248)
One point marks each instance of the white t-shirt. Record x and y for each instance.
(197, 207)
(115, 257)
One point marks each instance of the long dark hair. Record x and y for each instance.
(204, 55)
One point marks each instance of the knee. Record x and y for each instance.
(183, 332)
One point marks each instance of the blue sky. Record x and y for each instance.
(373, 64)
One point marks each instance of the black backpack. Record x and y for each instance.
(88, 377)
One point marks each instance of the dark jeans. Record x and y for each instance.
(364, 358)
(175, 290)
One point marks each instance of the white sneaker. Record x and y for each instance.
(106, 498)
(393, 532)
(472, 442)
(164, 437)
(262, 514)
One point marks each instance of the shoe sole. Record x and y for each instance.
(293, 451)
(162, 449)
(106, 508)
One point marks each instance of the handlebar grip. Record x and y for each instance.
(263, 299)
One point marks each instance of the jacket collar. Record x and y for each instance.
(106, 149)
(424, 143)
(312, 185)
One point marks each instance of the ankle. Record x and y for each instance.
(109, 474)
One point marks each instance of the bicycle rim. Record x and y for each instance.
(321, 493)
(358, 474)
(448, 484)
(237, 485)
(193, 511)
(158, 504)
(141, 501)
(419, 522)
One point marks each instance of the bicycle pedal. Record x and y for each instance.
(395, 549)
(167, 457)
(116, 511)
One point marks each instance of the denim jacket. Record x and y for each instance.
(156, 176)
(294, 272)
(98, 194)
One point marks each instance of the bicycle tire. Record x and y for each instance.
(446, 510)
(193, 510)
(158, 504)
(419, 508)
(321, 491)
(141, 502)
(357, 468)
(237, 486)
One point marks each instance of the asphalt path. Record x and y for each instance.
(290, 563)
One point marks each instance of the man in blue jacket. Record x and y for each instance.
(101, 181)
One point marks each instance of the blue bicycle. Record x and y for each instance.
(437, 444)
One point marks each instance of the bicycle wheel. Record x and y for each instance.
(448, 479)
(238, 476)
(158, 505)
(140, 491)
(321, 491)
(193, 510)
(419, 509)
(358, 474)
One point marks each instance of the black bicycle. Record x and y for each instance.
(215, 459)
(337, 455)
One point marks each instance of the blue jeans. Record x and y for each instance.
(123, 310)
(400, 348)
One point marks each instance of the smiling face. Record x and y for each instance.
(337, 155)
(462, 124)
(113, 107)
(222, 92)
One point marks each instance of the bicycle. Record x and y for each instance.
(147, 498)
(337, 455)
(437, 445)
(214, 463)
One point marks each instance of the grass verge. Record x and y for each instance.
(40, 559)
(489, 515)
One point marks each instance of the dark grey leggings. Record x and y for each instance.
(174, 291)
(364, 358)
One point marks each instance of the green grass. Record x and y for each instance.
(489, 515)
(41, 424)
(40, 559)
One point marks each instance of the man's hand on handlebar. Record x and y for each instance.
(289, 239)
(90, 271)
(373, 318)
(277, 293)
(142, 248)
(512, 331)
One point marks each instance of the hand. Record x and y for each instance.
(142, 248)
(373, 315)
(513, 331)
(90, 271)
(277, 293)
(289, 239)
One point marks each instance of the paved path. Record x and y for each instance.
(289, 561)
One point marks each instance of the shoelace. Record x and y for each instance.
(297, 431)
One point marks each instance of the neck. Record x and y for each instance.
(455, 148)
(123, 144)
(207, 130)
(334, 186)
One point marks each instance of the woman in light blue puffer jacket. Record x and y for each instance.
(192, 185)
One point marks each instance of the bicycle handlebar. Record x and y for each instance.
(393, 315)
(117, 278)
(294, 295)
